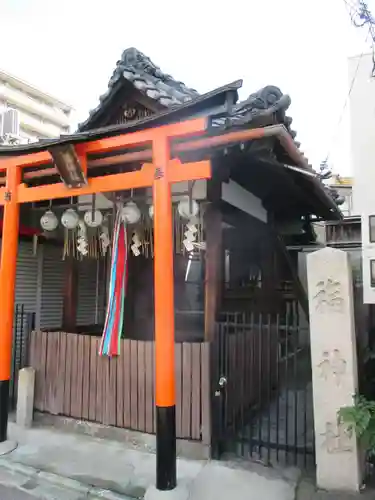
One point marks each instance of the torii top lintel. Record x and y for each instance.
(172, 169)
(74, 156)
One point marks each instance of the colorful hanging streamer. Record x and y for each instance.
(110, 343)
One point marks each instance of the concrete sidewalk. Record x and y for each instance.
(87, 467)
(19, 482)
(306, 490)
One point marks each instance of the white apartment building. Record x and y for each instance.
(29, 113)
(344, 188)
(362, 139)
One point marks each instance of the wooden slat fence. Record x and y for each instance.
(72, 380)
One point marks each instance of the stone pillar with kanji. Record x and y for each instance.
(334, 368)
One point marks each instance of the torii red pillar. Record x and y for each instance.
(9, 249)
(164, 320)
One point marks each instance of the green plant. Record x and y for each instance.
(360, 419)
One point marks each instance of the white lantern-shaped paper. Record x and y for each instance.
(49, 221)
(70, 219)
(131, 213)
(93, 219)
(151, 211)
(188, 208)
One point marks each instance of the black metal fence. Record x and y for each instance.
(262, 393)
(24, 323)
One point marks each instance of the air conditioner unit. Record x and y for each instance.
(10, 122)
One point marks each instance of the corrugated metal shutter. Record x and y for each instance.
(25, 296)
(102, 289)
(52, 287)
(87, 273)
(25, 302)
(26, 277)
(91, 287)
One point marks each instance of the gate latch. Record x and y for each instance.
(222, 384)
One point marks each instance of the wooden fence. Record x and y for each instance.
(72, 380)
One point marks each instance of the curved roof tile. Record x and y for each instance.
(137, 68)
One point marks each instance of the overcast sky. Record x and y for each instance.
(69, 49)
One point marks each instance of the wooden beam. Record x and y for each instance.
(177, 172)
(119, 142)
(182, 129)
(214, 258)
(32, 159)
(82, 156)
(193, 171)
(133, 139)
(115, 182)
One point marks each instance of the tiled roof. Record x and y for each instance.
(268, 103)
(150, 80)
(266, 107)
(137, 68)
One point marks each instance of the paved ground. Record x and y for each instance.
(288, 420)
(18, 482)
(306, 490)
(58, 465)
(52, 464)
(9, 493)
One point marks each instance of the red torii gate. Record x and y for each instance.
(159, 174)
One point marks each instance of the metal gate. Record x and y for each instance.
(24, 322)
(262, 391)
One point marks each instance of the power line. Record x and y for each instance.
(361, 16)
(357, 10)
(342, 114)
(352, 5)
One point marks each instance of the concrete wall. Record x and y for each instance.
(362, 132)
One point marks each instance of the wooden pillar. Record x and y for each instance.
(269, 293)
(9, 251)
(214, 257)
(166, 478)
(70, 295)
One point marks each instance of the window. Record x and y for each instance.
(372, 273)
(372, 228)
